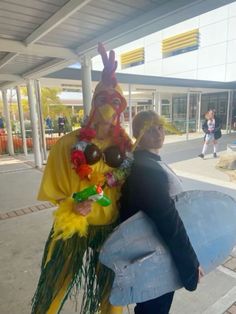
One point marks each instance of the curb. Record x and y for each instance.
(232, 309)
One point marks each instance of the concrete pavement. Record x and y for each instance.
(25, 223)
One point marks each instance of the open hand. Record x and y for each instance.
(83, 208)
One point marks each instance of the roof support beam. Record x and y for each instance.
(9, 77)
(118, 34)
(57, 18)
(125, 78)
(8, 58)
(7, 85)
(14, 46)
(47, 67)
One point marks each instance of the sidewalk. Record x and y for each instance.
(25, 224)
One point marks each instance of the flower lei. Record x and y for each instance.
(112, 178)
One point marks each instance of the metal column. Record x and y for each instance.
(199, 126)
(130, 112)
(21, 117)
(41, 121)
(229, 111)
(155, 101)
(159, 104)
(34, 124)
(187, 116)
(8, 124)
(86, 84)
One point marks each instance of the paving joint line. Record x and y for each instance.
(31, 164)
(26, 210)
(226, 270)
(15, 170)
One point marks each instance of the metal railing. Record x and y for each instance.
(18, 142)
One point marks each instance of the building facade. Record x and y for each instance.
(201, 48)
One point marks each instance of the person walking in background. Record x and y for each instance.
(1, 123)
(61, 124)
(49, 124)
(212, 129)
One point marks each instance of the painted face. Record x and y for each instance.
(108, 105)
(153, 138)
(112, 98)
(211, 114)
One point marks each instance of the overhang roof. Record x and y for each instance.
(40, 37)
(145, 81)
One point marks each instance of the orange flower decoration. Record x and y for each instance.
(83, 171)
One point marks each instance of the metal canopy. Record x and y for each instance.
(40, 37)
(145, 80)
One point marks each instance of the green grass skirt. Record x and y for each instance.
(89, 278)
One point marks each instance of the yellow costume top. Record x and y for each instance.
(60, 181)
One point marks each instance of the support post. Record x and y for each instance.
(34, 124)
(10, 145)
(199, 126)
(21, 117)
(41, 120)
(187, 116)
(229, 112)
(86, 84)
(159, 103)
(130, 112)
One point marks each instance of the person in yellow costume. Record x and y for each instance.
(96, 155)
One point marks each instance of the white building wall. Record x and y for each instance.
(178, 64)
(213, 73)
(214, 60)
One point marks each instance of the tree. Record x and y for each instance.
(1, 107)
(51, 103)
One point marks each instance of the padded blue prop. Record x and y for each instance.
(141, 261)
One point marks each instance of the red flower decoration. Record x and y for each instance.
(83, 171)
(78, 158)
(86, 134)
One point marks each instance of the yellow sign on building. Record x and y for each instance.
(180, 43)
(132, 58)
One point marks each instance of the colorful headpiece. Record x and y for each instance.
(108, 86)
(111, 92)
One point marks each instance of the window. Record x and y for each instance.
(166, 109)
(132, 58)
(181, 43)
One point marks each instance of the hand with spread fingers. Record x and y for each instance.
(83, 208)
